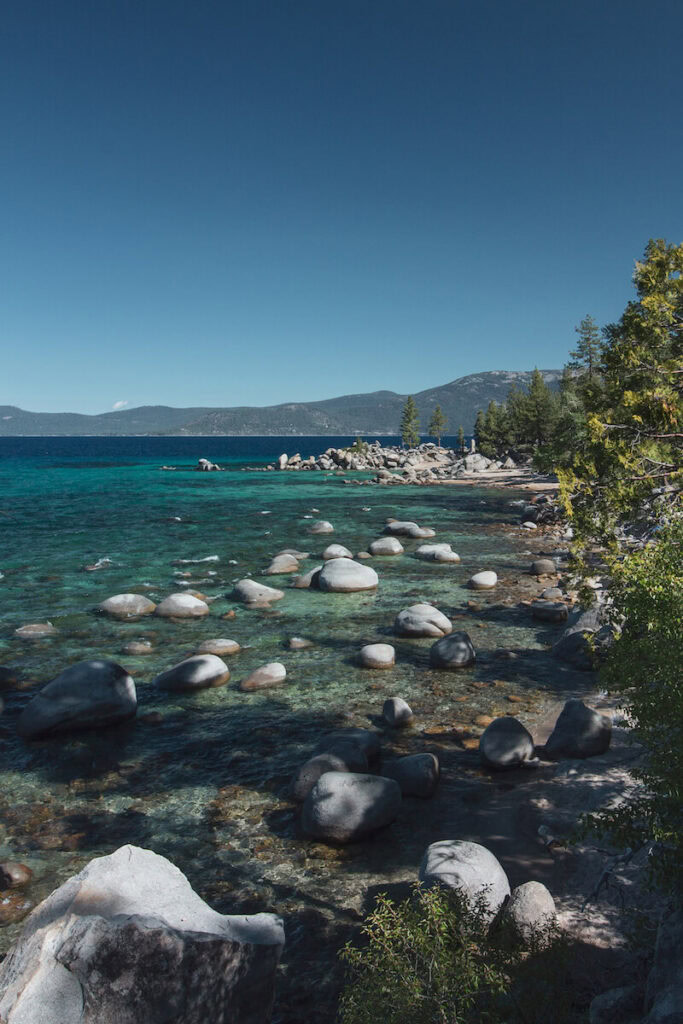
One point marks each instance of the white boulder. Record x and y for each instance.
(128, 940)
(436, 553)
(127, 606)
(272, 674)
(336, 551)
(483, 580)
(343, 575)
(377, 656)
(422, 620)
(250, 592)
(386, 546)
(468, 867)
(343, 806)
(182, 606)
(199, 672)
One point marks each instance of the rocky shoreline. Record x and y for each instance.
(519, 804)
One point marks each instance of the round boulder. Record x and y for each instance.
(272, 674)
(127, 606)
(551, 594)
(343, 575)
(349, 758)
(530, 913)
(397, 712)
(422, 620)
(219, 647)
(282, 564)
(505, 743)
(437, 553)
(182, 606)
(483, 580)
(377, 656)
(453, 651)
(308, 580)
(468, 867)
(417, 774)
(549, 611)
(87, 695)
(386, 546)
(343, 806)
(579, 732)
(543, 567)
(196, 673)
(322, 526)
(336, 551)
(250, 592)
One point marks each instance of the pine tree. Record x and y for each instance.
(481, 433)
(461, 440)
(538, 411)
(437, 424)
(410, 424)
(586, 355)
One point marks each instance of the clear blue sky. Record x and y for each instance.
(222, 203)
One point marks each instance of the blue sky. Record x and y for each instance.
(226, 203)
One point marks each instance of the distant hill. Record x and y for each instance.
(378, 412)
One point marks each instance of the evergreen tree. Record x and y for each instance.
(461, 440)
(410, 424)
(437, 424)
(482, 434)
(537, 412)
(634, 429)
(586, 355)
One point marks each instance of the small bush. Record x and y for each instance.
(431, 960)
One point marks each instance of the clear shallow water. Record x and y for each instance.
(208, 786)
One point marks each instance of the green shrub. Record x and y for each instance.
(646, 664)
(431, 960)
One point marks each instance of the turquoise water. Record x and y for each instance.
(207, 784)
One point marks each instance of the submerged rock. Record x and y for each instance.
(453, 651)
(343, 575)
(88, 695)
(579, 732)
(299, 643)
(436, 553)
(128, 940)
(343, 806)
(138, 647)
(377, 656)
(505, 743)
(543, 567)
(182, 606)
(307, 580)
(36, 630)
(336, 551)
(408, 529)
(127, 606)
(469, 867)
(197, 673)
(422, 620)
(322, 526)
(367, 740)
(13, 874)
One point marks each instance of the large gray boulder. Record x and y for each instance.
(422, 620)
(308, 580)
(453, 651)
(220, 646)
(543, 567)
(196, 673)
(127, 606)
(579, 732)
(343, 758)
(335, 551)
(88, 695)
(416, 774)
(263, 678)
(344, 576)
(617, 1006)
(530, 913)
(344, 806)
(469, 867)
(250, 592)
(182, 606)
(282, 564)
(322, 526)
(549, 611)
(377, 656)
(485, 580)
(575, 644)
(128, 940)
(397, 712)
(505, 743)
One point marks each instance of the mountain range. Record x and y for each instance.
(378, 412)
